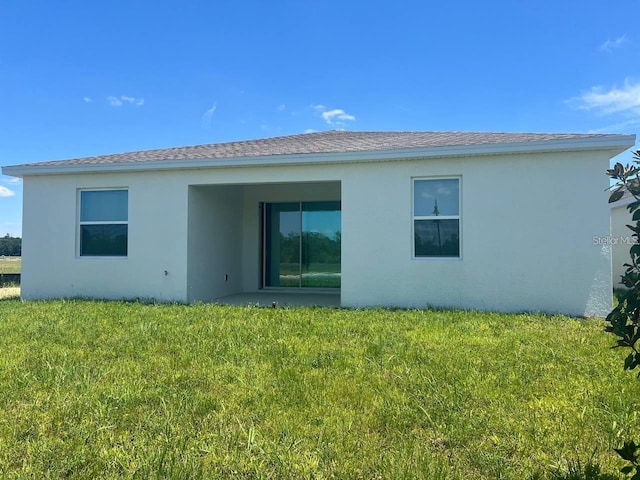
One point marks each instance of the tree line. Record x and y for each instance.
(317, 248)
(10, 246)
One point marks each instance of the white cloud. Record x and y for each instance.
(12, 180)
(133, 100)
(121, 100)
(5, 192)
(615, 100)
(442, 191)
(611, 44)
(114, 101)
(310, 130)
(87, 99)
(628, 126)
(337, 116)
(206, 118)
(281, 107)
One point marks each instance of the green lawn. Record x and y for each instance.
(10, 264)
(127, 390)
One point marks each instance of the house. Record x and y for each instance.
(621, 238)
(489, 221)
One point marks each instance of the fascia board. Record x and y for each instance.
(614, 145)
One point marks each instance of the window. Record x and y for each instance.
(104, 216)
(436, 217)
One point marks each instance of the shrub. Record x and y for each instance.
(624, 319)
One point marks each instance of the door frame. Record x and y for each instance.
(264, 252)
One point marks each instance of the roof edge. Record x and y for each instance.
(615, 144)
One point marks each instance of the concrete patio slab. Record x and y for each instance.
(267, 298)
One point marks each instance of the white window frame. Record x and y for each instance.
(80, 223)
(415, 217)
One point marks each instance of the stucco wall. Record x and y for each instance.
(157, 240)
(214, 248)
(527, 239)
(621, 240)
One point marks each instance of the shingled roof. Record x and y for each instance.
(333, 141)
(334, 146)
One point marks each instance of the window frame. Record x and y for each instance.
(415, 217)
(80, 223)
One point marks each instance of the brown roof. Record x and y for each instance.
(333, 141)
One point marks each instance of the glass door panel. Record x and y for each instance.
(320, 266)
(282, 245)
(302, 244)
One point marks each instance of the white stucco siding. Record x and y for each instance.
(214, 246)
(526, 237)
(203, 237)
(48, 238)
(621, 239)
(156, 239)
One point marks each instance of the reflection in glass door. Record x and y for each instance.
(282, 245)
(302, 245)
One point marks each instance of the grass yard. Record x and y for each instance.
(127, 390)
(10, 264)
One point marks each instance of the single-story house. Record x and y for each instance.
(489, 221)
(622, 238)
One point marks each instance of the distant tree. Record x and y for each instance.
(10, 246)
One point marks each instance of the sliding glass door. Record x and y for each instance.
(301, 245)
(320, 241)
(282, 227)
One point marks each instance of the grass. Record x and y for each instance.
(10, 264)
(128, 390)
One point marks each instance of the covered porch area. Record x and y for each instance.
(265, 243)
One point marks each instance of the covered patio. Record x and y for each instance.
(264, 243)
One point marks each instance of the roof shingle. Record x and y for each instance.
(333, 141)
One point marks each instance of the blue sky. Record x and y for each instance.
(89, 78)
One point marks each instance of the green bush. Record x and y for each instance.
(624, 319)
